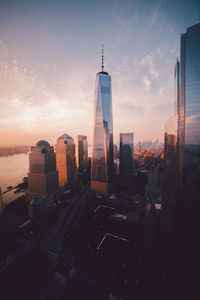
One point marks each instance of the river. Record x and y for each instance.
(12, 170)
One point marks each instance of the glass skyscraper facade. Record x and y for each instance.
(171, 161)
(190, 50)
(176, 86)
(182, 134)
(171, 165)
(102, 150)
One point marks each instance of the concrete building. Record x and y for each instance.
(65, 161)
(81, 151)
(42, 179)
(115, 152)
(43, 176)
(153, 188)
(40, 207)
(126, 157)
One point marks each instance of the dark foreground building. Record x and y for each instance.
(126, 157)
(181, 197)
(182, 131)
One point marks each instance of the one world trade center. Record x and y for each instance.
(102, 167)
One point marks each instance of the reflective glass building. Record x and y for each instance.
(102, 150)
(126, 157)
(190, 102)
(171, 158)
(171, 165)
(182, 134)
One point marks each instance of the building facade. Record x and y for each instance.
(126, 157)
(182, 134)
(171, 183)
(190, 114)
(81, 151)
(102, 165)
(65, 161)
(43, 176)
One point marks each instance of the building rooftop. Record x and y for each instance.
(65, 136)
(127, 217)
(39, 201)
(42, 143)
(103, 72)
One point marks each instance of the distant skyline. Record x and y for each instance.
(50, 52)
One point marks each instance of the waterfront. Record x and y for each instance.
(12, 170)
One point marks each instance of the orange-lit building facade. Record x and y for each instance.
(65, 160)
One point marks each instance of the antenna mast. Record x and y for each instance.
(102, 66)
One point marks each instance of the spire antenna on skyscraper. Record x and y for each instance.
(102, 66)
(102, 164)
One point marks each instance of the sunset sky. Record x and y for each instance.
(50, 52)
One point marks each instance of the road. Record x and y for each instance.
(53, 238)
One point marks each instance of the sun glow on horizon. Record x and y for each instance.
(47, 74)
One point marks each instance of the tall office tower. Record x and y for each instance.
(182, 136)
(140, 146)
(115, 152)
(102, 165)
(65, 160)
(171, 158)
(81, 150)
(126, 157)
(43, 176)
(190, 109)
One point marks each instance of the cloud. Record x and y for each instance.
(15, 80)
(34, 101)
(155, 14)
(161, 90)
(148, 109)
(148, 61)
(54, 95)
(147, 84)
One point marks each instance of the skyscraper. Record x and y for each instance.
(102, 167)
(42, 177)
(190, 114)
(65, 160)
(81, 150)
(171, 153)
(126, 157)
(182, 134)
